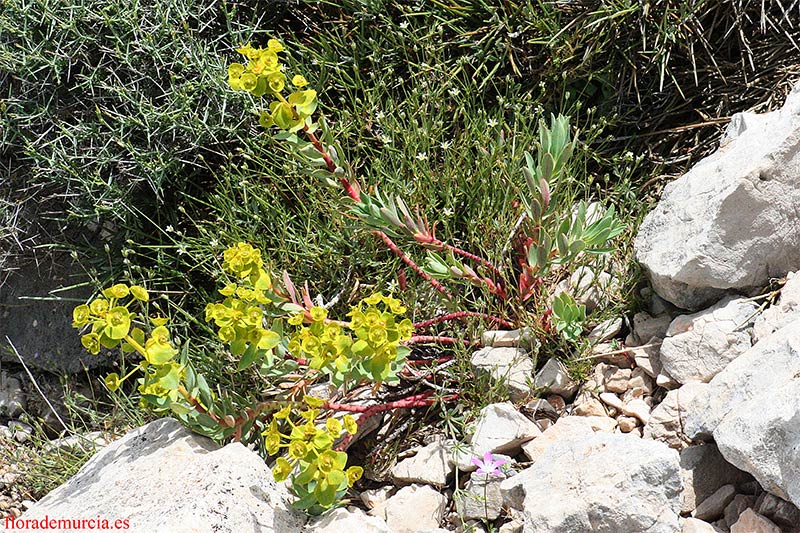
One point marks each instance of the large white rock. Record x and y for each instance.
(697, 347)
(481, 498)
(413, 508)
(757, 373)
(601, 482)
(668, 420)
(339, 520)
(732, 221)
(762, 436)
(431, 465)
(752, 522)
(566, 428)
(553, 376)
(162, 477)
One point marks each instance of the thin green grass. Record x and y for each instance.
(120, 112)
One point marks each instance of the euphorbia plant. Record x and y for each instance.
(291, 343)
(547, 240)
(276, 331)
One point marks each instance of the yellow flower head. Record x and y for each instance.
(80, 316)
(140, 293)
(120, 290)
(281, 470)
(350, 424)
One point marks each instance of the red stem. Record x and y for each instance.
(318, 145)
(463, 314)
(407, 260)
(420, 400)
(419, 339)
(354, 194)
(420, 362)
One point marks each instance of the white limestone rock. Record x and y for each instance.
(762, 436)
(668, 419)
(430, 465)
(601, 482)
(693, 525)
(605, 330)
(697, 347)
(502, 429)
(553, 376)
(752, 522)
(162, 477)
(515, 338)
(567, 428)
(647, 357)
(353, 519)
(731, 222)
(763, 369)
(482, 498)
(510, 366)
(414, 508)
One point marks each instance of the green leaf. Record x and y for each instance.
(189, 377)
(206, 421)
(563, 245)
(269, 340)
(180, 408)
(248, 357)
(576, 247)
(205, 393)
(546, 170)
(558, 306)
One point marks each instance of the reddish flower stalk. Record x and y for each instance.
(420, 339)
(420, 362)
(419, 400)
(407, 260)
(355, 195)
(463, 314)
(469, 255)
(318, 145)
(194, 402)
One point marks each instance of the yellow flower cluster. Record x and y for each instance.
(321, 471)
(111, 323)
(323, 344)
(379, 335)
(375, 352)
(263, 74)
(240, 316)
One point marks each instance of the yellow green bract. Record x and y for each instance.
(111, 324)
(250, 320)
(263, 74)
(368, 347)
(321, 478)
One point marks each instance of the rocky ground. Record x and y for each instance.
(689, 422)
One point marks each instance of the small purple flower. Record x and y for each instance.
(489, 465)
